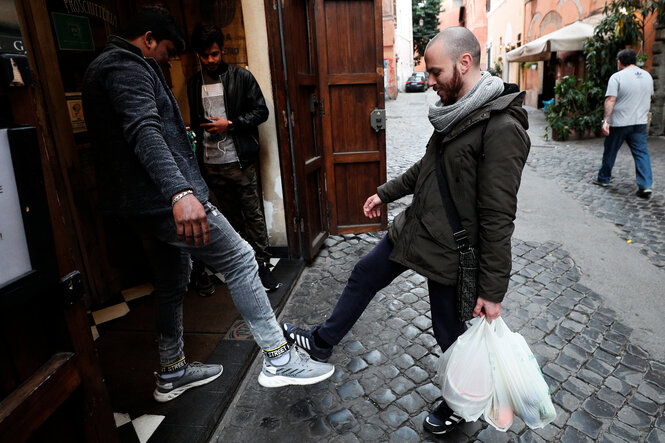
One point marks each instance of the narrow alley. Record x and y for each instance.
(596, 343)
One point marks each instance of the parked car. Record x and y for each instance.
(417, 82)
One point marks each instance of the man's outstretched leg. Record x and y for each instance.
(372, 273)
(232, 256)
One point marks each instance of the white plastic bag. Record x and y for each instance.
(499, 411)
(464, 372)
(517, 368)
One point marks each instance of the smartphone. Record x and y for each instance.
(205, 120)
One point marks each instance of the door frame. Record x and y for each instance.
(284, 130)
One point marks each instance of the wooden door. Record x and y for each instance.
(328, 76)
(349, 47)
(304, 118)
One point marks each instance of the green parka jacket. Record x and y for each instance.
(483, 178)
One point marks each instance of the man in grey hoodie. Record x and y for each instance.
(148, 175)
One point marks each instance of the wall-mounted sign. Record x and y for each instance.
(93, 9)
(75, 107)
(14, 255)
(12, 44)
(10, 32)
(73, 32)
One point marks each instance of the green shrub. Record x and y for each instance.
(575, 108)
(579, 103)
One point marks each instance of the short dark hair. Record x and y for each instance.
(157, 20)
(627, 57)
(204, 36)
(457, 41)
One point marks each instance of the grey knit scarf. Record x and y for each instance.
(486, 89)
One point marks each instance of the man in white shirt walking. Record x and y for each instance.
(627, 104)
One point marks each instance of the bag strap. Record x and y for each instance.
(459, 233)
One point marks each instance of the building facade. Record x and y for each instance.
(397, 45)
(505, 20)
(403, 42)
(471, 14)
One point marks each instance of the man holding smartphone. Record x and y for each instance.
(226, 107)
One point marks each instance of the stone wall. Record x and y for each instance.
(658, 74)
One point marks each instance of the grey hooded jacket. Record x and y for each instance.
(142, 154)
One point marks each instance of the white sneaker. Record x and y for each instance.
(300, 370)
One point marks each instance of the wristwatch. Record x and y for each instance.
(602, 122)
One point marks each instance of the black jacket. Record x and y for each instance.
(142, 154)
(245, 107)
(483, 176)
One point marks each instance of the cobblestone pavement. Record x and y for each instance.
(575, 163)
(604, 386)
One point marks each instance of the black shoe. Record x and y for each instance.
(204, 285)
(644, 193)
(595, 181)
(269, 282)
(442, 420)
(305, 339)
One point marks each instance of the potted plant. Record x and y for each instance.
(573, 111)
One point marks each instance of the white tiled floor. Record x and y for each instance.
(143, 426)
(146, 425)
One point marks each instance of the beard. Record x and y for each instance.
(211, 68)
(451, 89)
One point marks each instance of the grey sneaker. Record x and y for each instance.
(196, 374)
(300, 370)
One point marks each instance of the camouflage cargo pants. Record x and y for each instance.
(237, 192)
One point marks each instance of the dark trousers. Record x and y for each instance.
(374, 272)
(237, 192)
(636, 138)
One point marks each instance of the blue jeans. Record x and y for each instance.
(226, 253)
(636, 137)
(374, 272)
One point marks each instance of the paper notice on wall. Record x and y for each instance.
(75, 107)
(14, 255)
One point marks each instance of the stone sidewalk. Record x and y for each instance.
(574, 163)
(604, 385)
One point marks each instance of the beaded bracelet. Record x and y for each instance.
(177, 198)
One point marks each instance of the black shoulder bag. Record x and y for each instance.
(467, 270)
